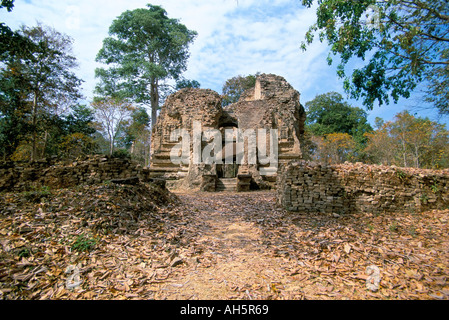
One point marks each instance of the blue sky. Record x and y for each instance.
(235, 37)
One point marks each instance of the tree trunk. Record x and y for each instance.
(417, 164)
(111, 147)
(33, 124)
(154, 101)
(404, 151)
(154, 109)
(45, 144)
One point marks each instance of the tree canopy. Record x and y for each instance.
(36, 88)
(186, 83)
(112, 115)
(143, 49)
(234, 87)
(329, 113)
(409, 141)
(12, 43)
(404, 42)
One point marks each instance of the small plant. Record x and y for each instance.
(401, 175)
(412, 231)
(24, 253)
(36, 194)
(424, 198)
(434, 186)
(393, 227)
(84, 243)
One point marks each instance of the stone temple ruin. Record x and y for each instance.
(301, 186)
(271, 104)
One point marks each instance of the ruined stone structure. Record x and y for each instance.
(347, 188)
(272, 104)
(16, 176)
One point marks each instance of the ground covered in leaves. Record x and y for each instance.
(140, 242)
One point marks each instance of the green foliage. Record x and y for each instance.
(24, 253)
(424, 198)
(84, 243)
(143, 49)
(8, 4)
(402, 42)
(437, 92)
(185, 83)
(80, 120)
(329, 113)
(139, 123)
(401, 175)
(121, 153)
(12, 43)
(33, 89)
(434, 186)
(134, 136)
(37, 194)
(234, 87)
(393, 227)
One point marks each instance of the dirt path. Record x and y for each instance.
(243, 246)
(213, 246)
(233, 260)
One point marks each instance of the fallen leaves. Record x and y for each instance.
(347, 248)
(407, 256)
(139, 242)
(87, 242)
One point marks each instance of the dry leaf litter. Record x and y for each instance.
(139, 241)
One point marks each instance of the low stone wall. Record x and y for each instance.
(15, 176)
(312, 187)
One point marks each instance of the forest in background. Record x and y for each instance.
(42, 113)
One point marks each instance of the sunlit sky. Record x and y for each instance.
(235, 37)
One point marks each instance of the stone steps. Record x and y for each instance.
(227, 185)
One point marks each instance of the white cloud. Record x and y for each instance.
(234, 37)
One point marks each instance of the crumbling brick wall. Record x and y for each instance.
(312, 187)
(15, 176)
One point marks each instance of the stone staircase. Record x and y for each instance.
(229, 184)
(162, 166)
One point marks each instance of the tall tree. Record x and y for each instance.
(380, 147)
(47, 78)
(329, 113)
(111, 115)
(15, 110)
(136, 136)
(404, 41)
(337, 148)
(437, 92)
(80, 120)
(410, 142)
(143, 49)
(76, 138)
